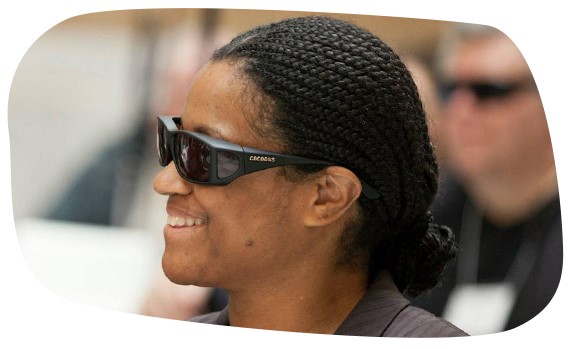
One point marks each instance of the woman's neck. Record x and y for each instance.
(305, 303)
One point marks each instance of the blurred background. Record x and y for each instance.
(81, 120)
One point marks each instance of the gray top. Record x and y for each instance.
(382, 312)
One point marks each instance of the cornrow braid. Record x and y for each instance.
(336, 92)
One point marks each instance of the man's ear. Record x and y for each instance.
(335, 192)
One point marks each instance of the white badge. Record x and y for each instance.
(480, 308)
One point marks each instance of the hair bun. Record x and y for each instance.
(436, 247)
(421, 225)
(429, 247)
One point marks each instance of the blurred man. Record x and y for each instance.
(499, 192)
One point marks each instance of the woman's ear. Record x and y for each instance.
(335, 192)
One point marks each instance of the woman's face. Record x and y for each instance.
(245, 232)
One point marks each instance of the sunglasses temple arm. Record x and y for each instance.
(368, 191)
(255, 160)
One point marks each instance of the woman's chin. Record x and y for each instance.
(178, 272)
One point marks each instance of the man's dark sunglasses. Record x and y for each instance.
(485, 90)
(202, 159)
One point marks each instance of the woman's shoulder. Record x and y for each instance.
(385, 312)
(416, 322)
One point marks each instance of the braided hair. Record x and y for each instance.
(336, 92)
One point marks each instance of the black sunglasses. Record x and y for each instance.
(485, 90)
(202, 159)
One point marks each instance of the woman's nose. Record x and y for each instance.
(169, 182)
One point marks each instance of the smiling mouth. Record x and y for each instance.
(178, 222)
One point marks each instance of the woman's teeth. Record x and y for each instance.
(183, 222)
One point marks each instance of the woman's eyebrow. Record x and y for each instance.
(209, 131)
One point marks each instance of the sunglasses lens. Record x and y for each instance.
(162, 146)
(483, 91)
(488, 90)
(446, 90)
(228, 164)
(193, 158)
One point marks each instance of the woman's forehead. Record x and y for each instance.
(217, 105)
